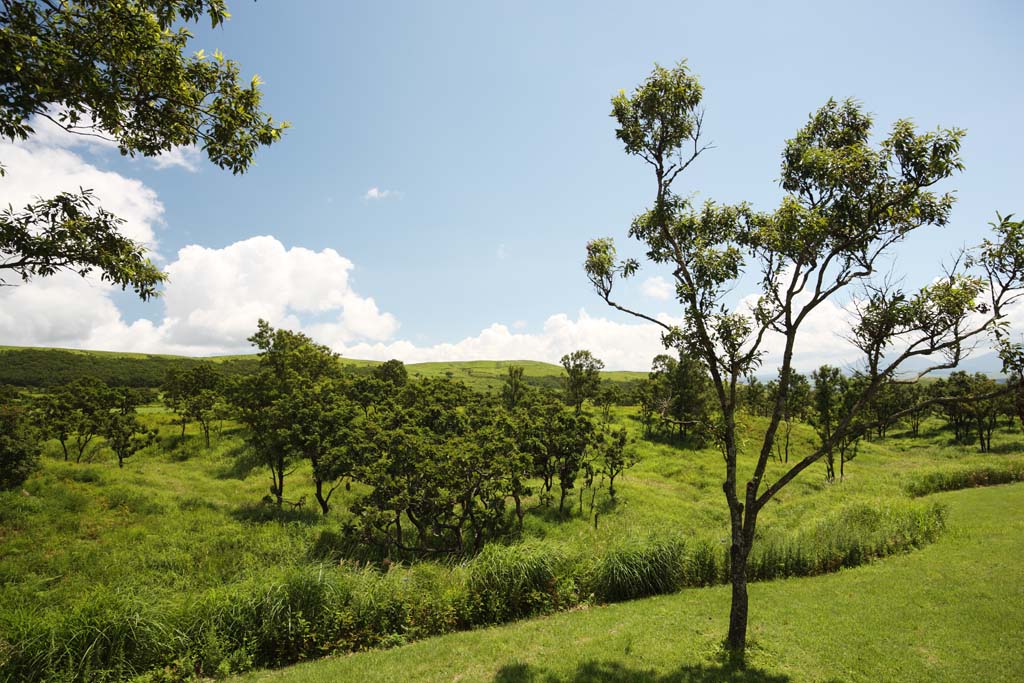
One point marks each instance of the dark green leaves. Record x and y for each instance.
(67, 232)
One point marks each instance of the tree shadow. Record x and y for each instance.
(241, 462)
(1012, 448)
(261, 512)
(613, 672)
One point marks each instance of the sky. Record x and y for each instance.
(448, 162)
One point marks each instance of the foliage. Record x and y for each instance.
(19, 442)
(847, 202)
(280, 406)
(116, 71)
(124, 434)
(581, 377)
(193, 394)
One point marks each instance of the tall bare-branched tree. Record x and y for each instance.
(847, 203)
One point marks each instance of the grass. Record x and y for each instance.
(950, 612)
(175, 550)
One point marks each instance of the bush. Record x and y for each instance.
(848, 537)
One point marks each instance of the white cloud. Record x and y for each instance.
(49, 134)
(627, 346)
(501, 252)
(211, 303)
(376, 193)
(35, 170)
(187, 158)
(658, 288)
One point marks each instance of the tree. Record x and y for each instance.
(19, 441)
(54, 412)
(115, 70)
(683, 389)
(582, 377)
(279, 403)
(614, 457)
(193, 394)
(392, 372)
(606, 396)
(846, 204)
(513, 389)
(77, 414)
(124, 433)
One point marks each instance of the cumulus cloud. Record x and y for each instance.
(658, 288)
(627, 346)
(186, 158)
(215, 296)
(40, 170)
(375, 193)
(211, 304)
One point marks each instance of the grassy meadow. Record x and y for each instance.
(949, 612)
(171, 568)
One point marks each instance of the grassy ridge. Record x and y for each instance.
(951, 612)
(39, 367)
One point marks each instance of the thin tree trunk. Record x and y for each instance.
(324, 507)
(737, 638)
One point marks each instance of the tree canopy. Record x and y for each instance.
(118, 71)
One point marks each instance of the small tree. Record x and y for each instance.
(124, 433)
(392, 372)
(847, 202)
(513, 389)
(606, 396)
(278, 402)
(19, 441)
(193, 395)
(829, 388)
(582, 377)
(615, 458)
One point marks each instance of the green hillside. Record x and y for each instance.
(44, 367)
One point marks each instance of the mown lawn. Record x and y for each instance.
(953, 611)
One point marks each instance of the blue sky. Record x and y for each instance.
(485, 129)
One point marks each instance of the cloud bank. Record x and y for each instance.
(215, 296)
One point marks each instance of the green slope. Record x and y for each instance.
(32, 366)
(953, 611)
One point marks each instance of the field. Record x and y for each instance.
(950, 612)
(173, 564)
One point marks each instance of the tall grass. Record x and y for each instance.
(955, 477)
(315, 610)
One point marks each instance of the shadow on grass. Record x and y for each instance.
(263, 512)
(242, 461)
(612, 672)
(1011, 448)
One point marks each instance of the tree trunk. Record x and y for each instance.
(324, 507)
(737, 638)
(519, 509)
